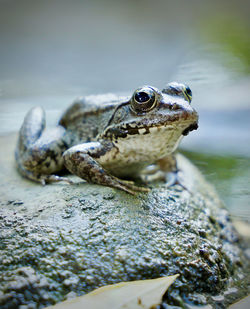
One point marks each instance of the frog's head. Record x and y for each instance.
(151, 115)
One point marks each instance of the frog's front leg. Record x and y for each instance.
(39, 151)
(82, 160)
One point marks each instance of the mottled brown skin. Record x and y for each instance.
(103, 138)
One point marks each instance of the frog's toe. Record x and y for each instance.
(131, 187)
(173, 178)
(43, 182)
(128, 182)
(140, 189)
(125, 189)
(53, 178)
(157, 176)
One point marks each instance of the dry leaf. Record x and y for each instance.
(139, 294)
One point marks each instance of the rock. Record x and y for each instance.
(62, 240)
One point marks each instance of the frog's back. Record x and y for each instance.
(88, 116)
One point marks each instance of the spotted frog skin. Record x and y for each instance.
(106, 139)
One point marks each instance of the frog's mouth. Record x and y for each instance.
(192, 127)
(123, 132)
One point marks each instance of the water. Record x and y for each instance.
(53, 51)
(230, 175)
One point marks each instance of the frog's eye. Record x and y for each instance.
(144, 99)
(177, 89)
(188, 93)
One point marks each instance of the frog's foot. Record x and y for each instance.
(44, 179)
(154, 173)
(168, 166)
(128, 186)
(173, 178)
(82, 160)
(41, 178)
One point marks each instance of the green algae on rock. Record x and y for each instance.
(60, 241)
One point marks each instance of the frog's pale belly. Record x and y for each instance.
(136, 153)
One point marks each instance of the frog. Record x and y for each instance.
(108, 139)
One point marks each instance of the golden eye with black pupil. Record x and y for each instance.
(188, 94)
(143, 99)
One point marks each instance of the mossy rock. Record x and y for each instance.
(62, 240)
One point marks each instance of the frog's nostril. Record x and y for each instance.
(175, 106)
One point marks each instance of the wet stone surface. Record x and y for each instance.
(60, 241)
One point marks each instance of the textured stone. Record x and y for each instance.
(62, 240)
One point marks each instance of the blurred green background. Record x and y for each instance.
(54, 50)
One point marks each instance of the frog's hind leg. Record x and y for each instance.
(39, 152)
(38, 177)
